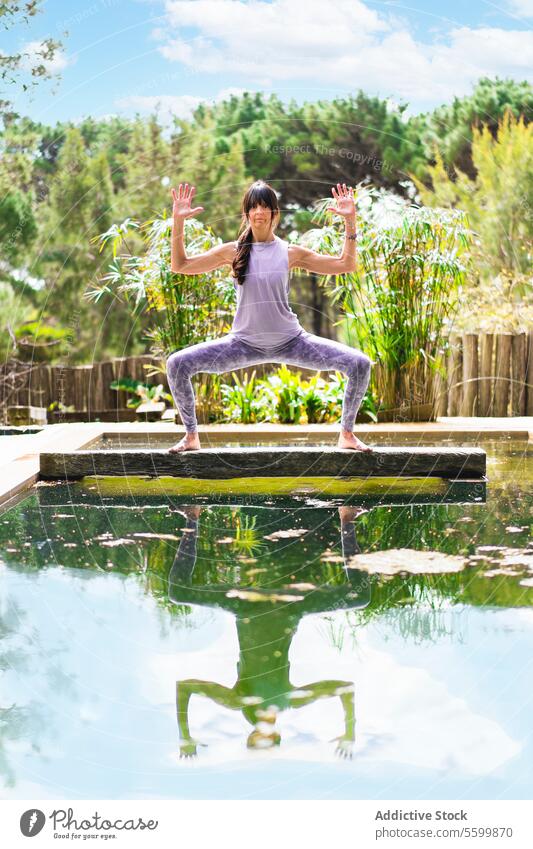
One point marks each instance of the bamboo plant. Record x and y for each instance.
(399, 304)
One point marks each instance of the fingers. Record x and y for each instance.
(185, 192)
(342, 191)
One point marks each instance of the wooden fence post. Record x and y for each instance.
(529, 375)
(469, 405)
(455, 373)
(486, 386)
(502, 373)
(518, 374)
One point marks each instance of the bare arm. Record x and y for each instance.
(309, 260)
(180, 263)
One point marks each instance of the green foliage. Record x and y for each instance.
(145, 175)
(144, 392)
(18, 227)
(284, 387)
(285, 398)
(244, 400)
(215, 164)
(451, 128)
(59, 407)
(183, 309)
(37, 342)
(22, 70)
(400, 301)
(499, 205)
(63, 185)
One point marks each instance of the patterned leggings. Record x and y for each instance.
(228, 353)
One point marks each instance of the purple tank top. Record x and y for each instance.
(264, 318)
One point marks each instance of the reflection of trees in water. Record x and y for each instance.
(41, 535)
(27, 723)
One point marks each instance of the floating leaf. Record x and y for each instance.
(111, 543)
(293, 532)
(397, 560)
(156, 536)
(527, 582)
(252, 595)
(493, 573)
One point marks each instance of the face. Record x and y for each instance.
(261, 218)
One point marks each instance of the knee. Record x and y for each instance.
(175, 361)
(362, 364)
(368, 363)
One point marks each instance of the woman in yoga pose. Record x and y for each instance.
(264, 328)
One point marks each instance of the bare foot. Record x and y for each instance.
(189, 442)
(347, 439)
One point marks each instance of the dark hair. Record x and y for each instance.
(259, 192)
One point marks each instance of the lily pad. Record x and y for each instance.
(252, 595)
(493, 573)
(156, 536)
(397, 560)
(111, 543)
(527, 582)
(288, 534)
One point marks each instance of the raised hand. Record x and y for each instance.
(345, 201)
(181, 207)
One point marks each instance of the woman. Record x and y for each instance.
(264, 328)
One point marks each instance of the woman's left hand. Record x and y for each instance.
(345, 201)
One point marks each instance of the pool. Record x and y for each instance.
(157, 644)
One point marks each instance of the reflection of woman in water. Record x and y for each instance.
(264, 329)
(266, 621)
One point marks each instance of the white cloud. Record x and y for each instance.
(168, 105)
(342, 44)
(32, 57)
(522, 8)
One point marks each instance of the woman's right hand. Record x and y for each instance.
(181, 207)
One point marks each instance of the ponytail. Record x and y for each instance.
(240, 260)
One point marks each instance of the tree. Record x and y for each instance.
(499, 200)
(450, 127)
(145, 164)
(216, 167)
(499, 206)
(79, 206)
(26, 68)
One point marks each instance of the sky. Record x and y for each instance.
(127, 57)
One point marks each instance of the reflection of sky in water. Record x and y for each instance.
(90, 657)
(91, 664)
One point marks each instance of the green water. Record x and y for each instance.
(154, 644)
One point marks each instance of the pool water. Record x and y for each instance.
(158, 645)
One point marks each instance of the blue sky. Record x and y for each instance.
(129, 56)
